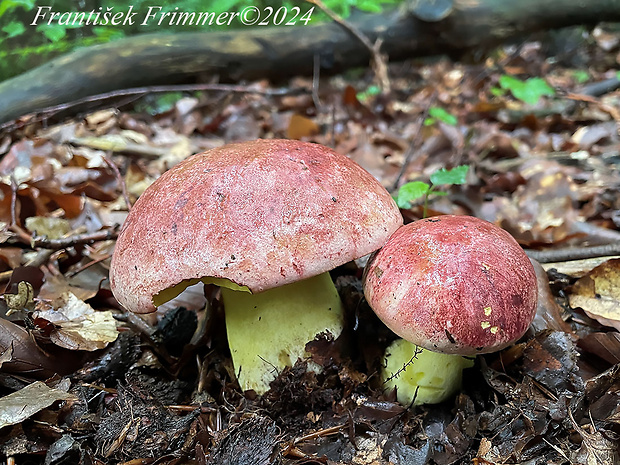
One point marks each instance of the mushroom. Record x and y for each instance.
(453, 285)
(265, 220)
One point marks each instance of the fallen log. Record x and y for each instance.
(156, 59)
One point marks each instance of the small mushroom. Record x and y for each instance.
(454, 285)
(266, 220)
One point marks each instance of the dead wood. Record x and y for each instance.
(283, 51)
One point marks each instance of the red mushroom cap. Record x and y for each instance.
(260, 214)
(453, 284)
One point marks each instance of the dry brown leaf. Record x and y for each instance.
(299, 127)
(12, 256)
(57, 285)
(22, 355)
(598, 293)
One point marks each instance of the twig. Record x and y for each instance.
(291, 449)
(88, 265)
(378, 59)
(6, 276)
(13, 201)
(320, 433)
(77, 239)
(418, 351)
(46, 112)
(574, 253)
(22, 235)
(316, 75)
(119, 180)
(414, 142)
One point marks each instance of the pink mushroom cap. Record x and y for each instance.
(261, 214)
(453, 284)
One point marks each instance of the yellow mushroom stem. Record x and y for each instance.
(269, 331)
(427, 378)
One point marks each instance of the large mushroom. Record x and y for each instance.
(452, 285)
(266, 220)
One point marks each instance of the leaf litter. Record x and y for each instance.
(82, 380)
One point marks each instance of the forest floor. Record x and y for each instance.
(128, 389)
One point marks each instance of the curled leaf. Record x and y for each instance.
(21, 405)
(598, 293)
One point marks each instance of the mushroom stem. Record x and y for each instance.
(421, 376)
(269, 331)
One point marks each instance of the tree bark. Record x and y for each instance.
(156, 59)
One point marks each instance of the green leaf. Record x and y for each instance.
(371, 91)
(457, 175)
(14, 29)
(580, 76)
(53, 32)
(158, 104)
(369, 6)
(497, 91)
(429, 121)
(411, 191)
(443, 115)
(108, 33)
(528, 91)
(8, 5)
(617, 74)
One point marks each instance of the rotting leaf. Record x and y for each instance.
(24, 299)
(77, 326)
(50, 227)
(22, 355)
(551, 359)
(598, 293)
(604, 345)
(57, 285)
(90, 332)
(596, 448)
(21, 405)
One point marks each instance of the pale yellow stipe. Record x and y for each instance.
(269, 331)
(435, 376)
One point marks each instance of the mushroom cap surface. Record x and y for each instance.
(260, 214)
(453, 284)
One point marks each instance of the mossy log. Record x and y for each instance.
(156, 59)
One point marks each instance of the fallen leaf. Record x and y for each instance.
(598, 293)
(21, 354)
(90, 332)
(76, 326)
(50, 227)
(24, 299)
(21, 405)
(604, 345)
(299, 127)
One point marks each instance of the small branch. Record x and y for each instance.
(21, 234)
(88, 265)
(418, 351)
(316, 75)
(14, 188)
(378, 59)
(47, 112)
(119, 180)
(320, 433)
(574, 253)
(414, 142)
(78, 239)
